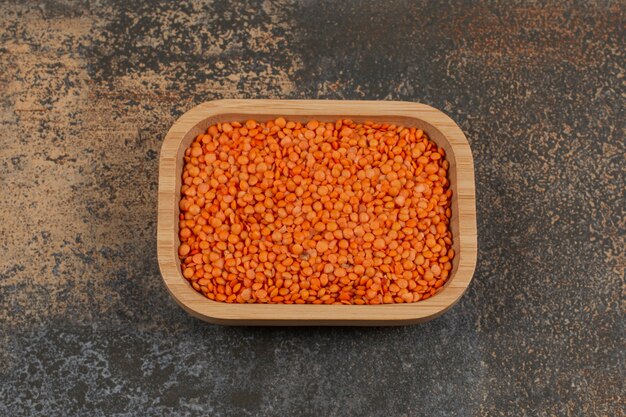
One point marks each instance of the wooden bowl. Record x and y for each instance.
(439, 128)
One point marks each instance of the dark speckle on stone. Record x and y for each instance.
(18, 161)
(151, 154)
(247, 400)
(89, 90)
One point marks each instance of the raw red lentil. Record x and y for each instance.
(321, 213)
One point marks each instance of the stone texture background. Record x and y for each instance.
(89, 90)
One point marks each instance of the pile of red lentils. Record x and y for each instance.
(320, 213)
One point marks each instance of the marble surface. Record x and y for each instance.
(89, 91)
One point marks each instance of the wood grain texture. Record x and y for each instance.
(439, 128)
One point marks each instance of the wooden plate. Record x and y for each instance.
(439, 128)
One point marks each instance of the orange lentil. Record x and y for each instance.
(379, 243)
(318, 213)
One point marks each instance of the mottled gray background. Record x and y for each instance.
(88, 92)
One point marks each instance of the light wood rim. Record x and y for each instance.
(437, 125)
